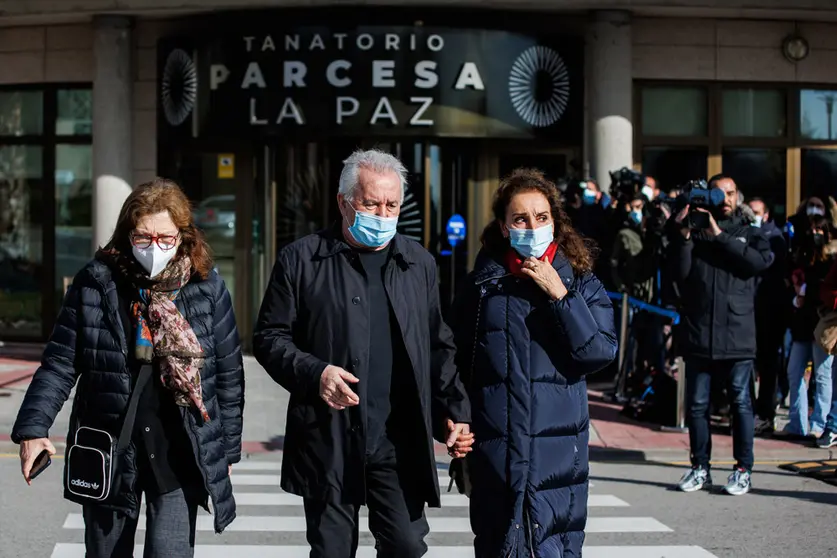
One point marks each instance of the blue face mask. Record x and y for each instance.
(373, 231)
(636, 216)
(588, 197)
(759, 221)
(531, 242)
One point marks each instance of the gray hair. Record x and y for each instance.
(374, 160)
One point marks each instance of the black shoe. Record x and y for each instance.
(763, 427)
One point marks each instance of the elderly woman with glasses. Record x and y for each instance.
(147, 334)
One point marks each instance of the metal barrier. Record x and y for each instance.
(622, 377)
(626, 304)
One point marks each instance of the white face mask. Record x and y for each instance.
(154, 259)
(814, 210)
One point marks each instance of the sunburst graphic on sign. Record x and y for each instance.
(539, 86)
(179, 87)
(409, 220)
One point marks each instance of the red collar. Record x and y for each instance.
(515, 263)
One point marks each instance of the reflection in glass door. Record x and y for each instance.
(819, 172)
(219, 183)
(21, 240)
(297, 191)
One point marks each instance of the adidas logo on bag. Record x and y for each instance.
(84, 484)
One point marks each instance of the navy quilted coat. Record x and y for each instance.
(529, 357)
(88, 346)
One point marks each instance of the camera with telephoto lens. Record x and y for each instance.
(698, 195)
(626, 183)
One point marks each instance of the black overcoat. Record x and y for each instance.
(315, 313)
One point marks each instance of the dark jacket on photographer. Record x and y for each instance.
(716, 278)
(632, 262)
(771, 283)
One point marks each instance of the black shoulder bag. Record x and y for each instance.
(458, 469)
(94, 456)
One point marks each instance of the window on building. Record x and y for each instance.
(757, 113)
(759, 172)
(45, 153)
(21, 113)
(817, 120)
(819, 173)
(674, 166)
(674, 111)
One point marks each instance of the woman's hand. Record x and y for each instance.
(29, 452)
(460, 440)
(545, 277)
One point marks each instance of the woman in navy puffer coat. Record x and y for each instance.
(531, 322)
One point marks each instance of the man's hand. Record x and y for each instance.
(229, 470)
(714, 229)
(460, 439)
(29, 452)
(684, 230)
(335, 391)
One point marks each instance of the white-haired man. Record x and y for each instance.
(351, 326)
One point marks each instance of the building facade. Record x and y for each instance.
(252, 107)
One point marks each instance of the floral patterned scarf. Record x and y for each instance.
(165, 337)
(162, 335)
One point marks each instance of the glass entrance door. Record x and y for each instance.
(219, 181)
(297, 189)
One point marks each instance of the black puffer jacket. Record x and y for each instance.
(716, 277)
(88, 345)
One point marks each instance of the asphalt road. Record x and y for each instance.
(633, 514)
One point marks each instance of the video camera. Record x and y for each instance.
(626, 183)
(698, 195)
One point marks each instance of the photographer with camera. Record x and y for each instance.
(716, 258)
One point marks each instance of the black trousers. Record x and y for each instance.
(396, 514)
(769, 364)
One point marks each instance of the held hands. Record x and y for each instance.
(460, 439)
(545, 277)
(335, 391)
(29, 451)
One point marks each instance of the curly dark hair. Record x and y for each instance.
(579, 251)
(153, 197)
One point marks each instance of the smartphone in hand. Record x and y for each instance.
(41, 463)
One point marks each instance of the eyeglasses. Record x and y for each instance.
(143, 241)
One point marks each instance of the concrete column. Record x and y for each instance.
(610, 93)
(112, 123)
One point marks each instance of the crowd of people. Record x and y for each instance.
(743, 265)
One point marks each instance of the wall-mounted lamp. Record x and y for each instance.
(795, 48)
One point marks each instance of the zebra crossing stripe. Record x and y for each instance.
(267, 499)
(285, 499)
(646, 552)
(64, 550)
(274, 480)
(255, 465)
(278, 523)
